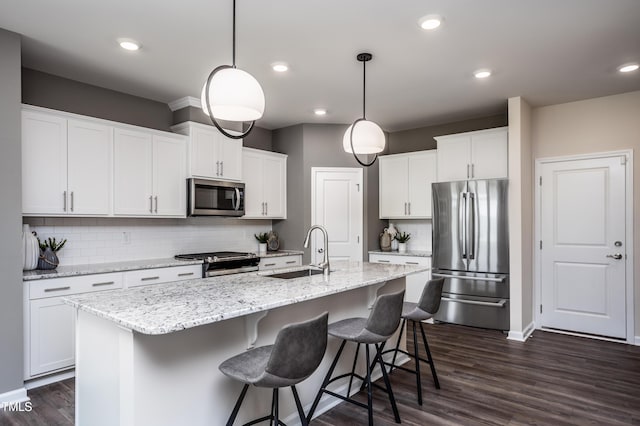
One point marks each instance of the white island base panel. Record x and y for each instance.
(127, 378)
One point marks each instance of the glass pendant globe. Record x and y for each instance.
(234, 95)
(368, 138)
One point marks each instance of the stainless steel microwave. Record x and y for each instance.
(214, 198)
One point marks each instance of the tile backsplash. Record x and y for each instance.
(420, 231)
(100, 240)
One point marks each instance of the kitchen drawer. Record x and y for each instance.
(399, 259)
(74, 285)
(161, 275)
(267, 263)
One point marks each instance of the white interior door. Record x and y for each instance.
(336, 204)
(583, 256)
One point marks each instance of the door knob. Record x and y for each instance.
(616, 256)
(320, 250)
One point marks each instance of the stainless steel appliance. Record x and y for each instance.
(214, 198)
(223, 262)
(471, 251)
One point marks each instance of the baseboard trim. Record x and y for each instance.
(47, 380)
(637, 342)
(521, 336)
(15, 396)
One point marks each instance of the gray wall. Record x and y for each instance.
(11, 215)
(50, 91)
(422, 138)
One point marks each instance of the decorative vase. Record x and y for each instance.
(385, 241)
(48, 259)
(394, 244)
(262, 248)
(402, 247)
(30, 249)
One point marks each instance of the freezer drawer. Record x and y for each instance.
(484, 312)
(474, 284)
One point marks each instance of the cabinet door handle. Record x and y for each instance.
(217, 168)
(473, 173)
(222, 168)
(409, 203)
(150, 203)
(64, 200)
(405, 209)
(101, 284)
(269, 264)
(263, 209)
(291, 261)
(156, 198)
(266, 209)
(468, 176)
(412, 263)
(149, 278)
(383, 261)
(185, 274)
(71, 200)
(48, 290)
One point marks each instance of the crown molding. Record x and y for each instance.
(187, 101)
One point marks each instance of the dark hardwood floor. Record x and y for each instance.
(551, 379)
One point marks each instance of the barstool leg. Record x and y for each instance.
(395, 352)
(369, 389)
(276, 421)
(353, 370)
(431, 364)
(303, 418)
(387, 383)
(416, 355)
(325, 382)
(236, 408)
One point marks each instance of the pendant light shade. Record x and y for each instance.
(232, 94)
(364, 136)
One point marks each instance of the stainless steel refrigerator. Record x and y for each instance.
(471, 252)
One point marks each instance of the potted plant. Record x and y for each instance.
(402, 238)
(262, 238)
(48, 258)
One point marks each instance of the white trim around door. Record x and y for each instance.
(627, 155)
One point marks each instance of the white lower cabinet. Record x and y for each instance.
(415, 282)
(161, 275)
(278, 262)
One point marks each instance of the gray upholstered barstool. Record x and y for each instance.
(295, 355)
(426, 308)
(375, 330)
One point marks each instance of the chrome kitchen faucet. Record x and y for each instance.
(324, 265)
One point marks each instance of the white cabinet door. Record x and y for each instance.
(230, 157)
(454, 158)
(265, 178)
(203, 152)
(275, 187)
(52, 335)
(133, 173)
(44, 163)
(277, 262)
(422, 173)
(169, 176)
(89, 150)
(490, 155)
(253, 184)
(393, 187)
(415, 282)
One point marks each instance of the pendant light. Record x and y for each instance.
(232, 94)
(364, 136)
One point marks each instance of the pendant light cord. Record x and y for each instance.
(233, 54)
(364, 89)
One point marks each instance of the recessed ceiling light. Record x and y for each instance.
(320, 111)
(430, 22)
(628, 67)
(482, 73)
(280, 67)
(129, 44)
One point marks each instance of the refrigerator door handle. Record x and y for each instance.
(498, 304)
(469, 278)
(462, 223)
(471, 214)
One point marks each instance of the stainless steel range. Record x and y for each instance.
(224, 262)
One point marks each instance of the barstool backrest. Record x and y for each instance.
(431, 295)
(385, 314)
(299, 348)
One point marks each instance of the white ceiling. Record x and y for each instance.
(547, 51)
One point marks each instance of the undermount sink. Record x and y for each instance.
(295, 274)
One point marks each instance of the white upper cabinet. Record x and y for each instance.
(474, 155)
(211, 154)
(150, 174)
(265, 179)
(66, 165)
(405, 185)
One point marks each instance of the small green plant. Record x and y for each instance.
(52, 243)
(262, 237)
(403, 237)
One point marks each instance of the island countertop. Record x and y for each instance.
(170, 307)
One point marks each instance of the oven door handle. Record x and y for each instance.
(470, 278)
(498, 304)
(236, 199)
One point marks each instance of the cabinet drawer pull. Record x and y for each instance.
(291, 261)
(185, 274)
(104, 283)
(412, 263)
(269, 264)
(149, 278)
(47, 290)
(383, 261)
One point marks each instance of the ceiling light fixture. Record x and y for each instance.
(482, 73)
(430, 22)
(128, 44)
(280, 67)
(363, 136)
(320, 111)
(232, 94)
(628, 67)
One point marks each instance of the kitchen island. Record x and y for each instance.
(150, 355)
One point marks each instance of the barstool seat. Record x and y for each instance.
(295, 355)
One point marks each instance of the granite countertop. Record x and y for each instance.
(417, 253)
(104, 268)
(170, 307)
(281, 253)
